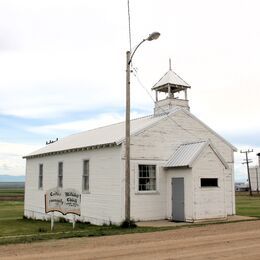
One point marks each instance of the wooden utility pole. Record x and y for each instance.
(127, 139)
(256, 173)
(247, 164)
(129, 57)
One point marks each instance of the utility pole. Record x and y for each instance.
(257, 187)
(127, 140)
(129, 57)
(247, 164)
(257, 172)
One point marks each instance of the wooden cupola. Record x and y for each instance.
(174, 91)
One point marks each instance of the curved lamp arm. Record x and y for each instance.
(151, 37)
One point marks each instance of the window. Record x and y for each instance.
(147, 178)
(60, 175)
(209, 182)
(85, 176)
(40, 176)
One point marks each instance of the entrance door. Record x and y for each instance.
(178, 199)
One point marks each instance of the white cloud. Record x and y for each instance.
(11, 162)
(63, 56)
(81, 125)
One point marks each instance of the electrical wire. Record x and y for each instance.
(164, 112)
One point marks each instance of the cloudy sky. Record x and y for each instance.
(62, 67)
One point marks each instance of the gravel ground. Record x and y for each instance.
(223, 241)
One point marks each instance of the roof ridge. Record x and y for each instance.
(92, 129)
(160, 79)
(180, 77)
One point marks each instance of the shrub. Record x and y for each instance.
(128, 224)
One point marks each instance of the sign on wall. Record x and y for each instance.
(63, 200)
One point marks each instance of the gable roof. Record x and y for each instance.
(187, 153)
(110, 135)
(210, 129)
(171, 77)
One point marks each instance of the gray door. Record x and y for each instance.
(178, 199)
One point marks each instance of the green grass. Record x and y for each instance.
(10, 210)
(248, 206)
(15, 229)
(9, 192)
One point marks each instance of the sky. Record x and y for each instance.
(62, 68)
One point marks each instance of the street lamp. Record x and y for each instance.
(129, 57)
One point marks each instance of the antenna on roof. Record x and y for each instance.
(170, 64)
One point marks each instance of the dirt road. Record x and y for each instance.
(223, 241)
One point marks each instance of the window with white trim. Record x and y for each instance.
(60, 174)
(85, 176)
(40, 181)
(147, 177)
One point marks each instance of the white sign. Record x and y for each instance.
(63, 200)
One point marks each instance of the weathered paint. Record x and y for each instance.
(101, 204)
(209, 202)
(154, 145)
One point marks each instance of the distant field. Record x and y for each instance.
(11, 185)
(11, 192)
(15, 194)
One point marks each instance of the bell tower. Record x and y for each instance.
(170, 92)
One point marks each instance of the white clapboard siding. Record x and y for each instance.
(158, 143)
(148, 205)
(209, 202)
(101, 205)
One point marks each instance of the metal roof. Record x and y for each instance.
(114, 133)
(171, 77)
(107, 135)
(186, 154)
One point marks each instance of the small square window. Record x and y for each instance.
(209, 182)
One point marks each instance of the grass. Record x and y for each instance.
(11, 192)
(248, 206)
(15, 229)
(10, 210)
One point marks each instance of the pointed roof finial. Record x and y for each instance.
(170, 64)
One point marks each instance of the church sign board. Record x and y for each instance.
(63, 200)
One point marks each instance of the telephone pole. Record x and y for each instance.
(129, 58)
(257, 187)
(247, 164)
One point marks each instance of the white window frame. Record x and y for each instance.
(156, 191)
(60, 181)
(40, 177)
(85, 175)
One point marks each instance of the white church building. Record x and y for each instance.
(180, 168)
